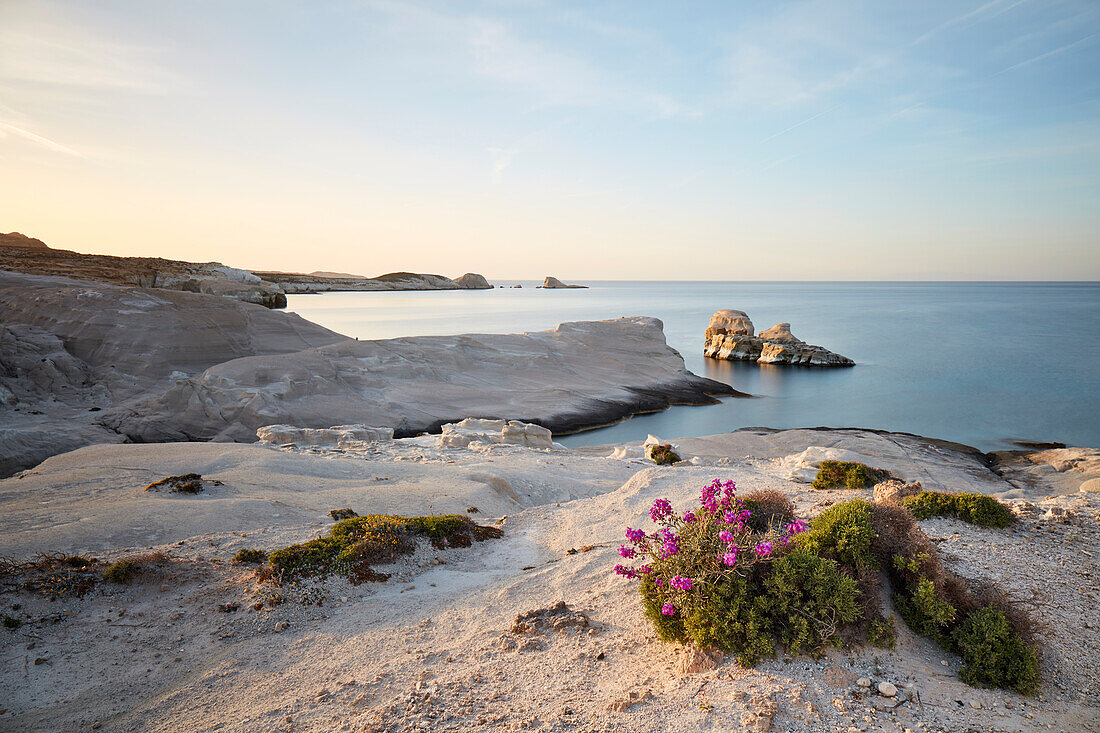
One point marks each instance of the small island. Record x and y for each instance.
(730, 336)
(552, 283)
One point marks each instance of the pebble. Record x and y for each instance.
(282, 626)
(975, 704)
(864, 682)
(886, 689)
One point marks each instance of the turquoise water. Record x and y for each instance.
(980, 363)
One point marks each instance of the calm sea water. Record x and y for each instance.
(983, 364)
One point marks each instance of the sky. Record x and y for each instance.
(731, 140)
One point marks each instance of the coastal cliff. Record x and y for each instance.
(730, 336)
(19, 253)
(296, 283)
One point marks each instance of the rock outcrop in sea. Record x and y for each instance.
(552, 283)
(730, 336)
(473, 281)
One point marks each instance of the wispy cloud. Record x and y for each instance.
(506, 53)
(797, 125)
(501, 159)
(45, 142)
(1048, 54)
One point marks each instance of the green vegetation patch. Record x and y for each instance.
(993, 655)
(353, 545)
(250, 555)
(844, 532)
(848, 475)
(984, 511)
(121, 572)
(663, 455)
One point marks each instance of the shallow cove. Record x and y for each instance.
(978, 363)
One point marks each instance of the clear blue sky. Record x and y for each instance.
(720, 140)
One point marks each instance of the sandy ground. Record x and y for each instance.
(432, 648)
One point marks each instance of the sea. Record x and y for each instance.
(985, 364)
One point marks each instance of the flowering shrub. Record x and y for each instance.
(715, 576)
(708, 577)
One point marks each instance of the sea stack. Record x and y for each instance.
(730, 336)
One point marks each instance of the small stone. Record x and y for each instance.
(886, 689)
(974, 703)
(864, 682)
(282, 626)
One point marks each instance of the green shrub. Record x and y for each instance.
(979, 509)
(353, 544)
(121, 572)
(848, 475)
(807, 599)
(993, 654)
(844, 532)
(250, 555)
(925, 612)
(881, 633)
(663, 455)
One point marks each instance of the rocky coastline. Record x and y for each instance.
(20, 253)
(89, 362)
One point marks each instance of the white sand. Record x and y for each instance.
(431, 650)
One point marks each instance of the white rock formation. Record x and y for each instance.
(577, 375)
(730, 336)
(69, 349)
(472, 429)
(803, 467)
(730, 321)
(341, 436)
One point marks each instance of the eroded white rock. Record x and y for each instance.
(514, 432)
(339, 435)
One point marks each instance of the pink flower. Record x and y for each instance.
(659, 582)
(635, 535)
(627, 552)
(661, 509)
(730, 558)
(689, 517)
(796, 527)
(668, 609)
(764, 549)
(681, 583)
(645, 569)
(725, 536)
(625, 571)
